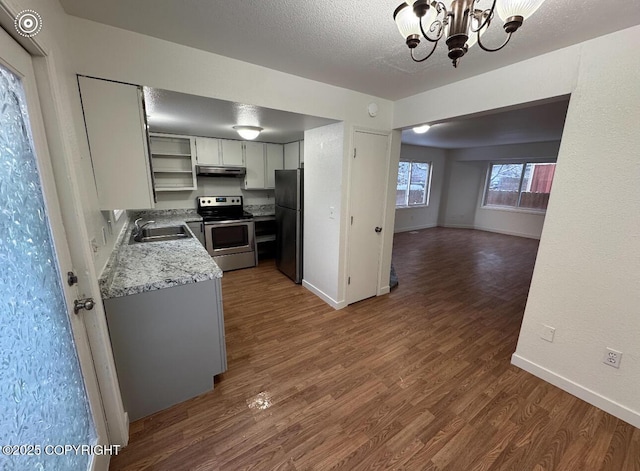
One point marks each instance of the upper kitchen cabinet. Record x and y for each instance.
(262, 160)
(293, 155)
(207, 151)
(274, 161)
(222, 152)
(173, 162)
(231, 153)
(254, 161)
(116, 128)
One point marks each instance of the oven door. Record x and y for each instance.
(229, 237)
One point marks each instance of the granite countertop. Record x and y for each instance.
(261, 210)
(142, 267)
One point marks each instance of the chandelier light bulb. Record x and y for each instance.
(524, 8)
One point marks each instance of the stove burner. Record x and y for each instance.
(221, 208)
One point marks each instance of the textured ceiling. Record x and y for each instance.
(537, 123)
(350, 44)
(180, 113)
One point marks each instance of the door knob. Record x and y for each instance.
(86, 304)
(378, 229)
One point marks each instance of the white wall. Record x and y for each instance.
(587, 279)
(505, 221)
(509, 221)
(324, 149)
(587, 273)
(463, 185)
(409, 219)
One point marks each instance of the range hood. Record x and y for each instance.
(218, 171)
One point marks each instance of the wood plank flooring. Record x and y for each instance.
(419, 379)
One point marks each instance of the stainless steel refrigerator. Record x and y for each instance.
(289, 218)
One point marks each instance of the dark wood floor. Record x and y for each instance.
(417, 380)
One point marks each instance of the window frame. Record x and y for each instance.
(517, 208)
(427, 197)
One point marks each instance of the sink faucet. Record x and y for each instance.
(137, 229)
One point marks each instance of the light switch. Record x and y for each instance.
(547, 332)
(332, 212)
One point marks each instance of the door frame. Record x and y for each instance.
(59, 136)
(381, 288)
(20, 62)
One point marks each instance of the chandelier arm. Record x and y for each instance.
(484, 48)
(436, 25)
(435, 43)
(488, 16)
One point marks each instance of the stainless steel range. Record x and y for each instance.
(228, 231)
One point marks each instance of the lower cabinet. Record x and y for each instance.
(168, 344)
(197, 227)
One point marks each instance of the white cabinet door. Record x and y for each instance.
(116, 129)
(274, 157)
(231, 153)
(207, 151)
(291, 155)
(254, 161)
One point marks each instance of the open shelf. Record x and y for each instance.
(161, 189)
(265, 238)
(170, 171)
(173, 162)
(169, 154)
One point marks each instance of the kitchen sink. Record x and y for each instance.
(161, 234)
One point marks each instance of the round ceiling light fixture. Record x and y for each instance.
(248, 132)
(421, 129)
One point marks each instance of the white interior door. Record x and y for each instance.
(369, 168)
(48, 388)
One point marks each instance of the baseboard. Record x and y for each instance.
(126, 429)
(384, 290)
(511, 233)
(325, 297)
(458, 226)
(593, 398)
(414, 228)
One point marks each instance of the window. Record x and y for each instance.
(520, 185)
(413, 184)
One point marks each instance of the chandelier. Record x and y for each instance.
(462, 23)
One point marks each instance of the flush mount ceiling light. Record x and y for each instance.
(462, 23)
(248, 132)
(421, 129)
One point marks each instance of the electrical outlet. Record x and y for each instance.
(332, 212)
(612, 357)
(547, 332)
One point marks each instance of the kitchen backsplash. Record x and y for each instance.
(209, 186)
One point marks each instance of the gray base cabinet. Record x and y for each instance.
(198, 230)
(168, 344)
